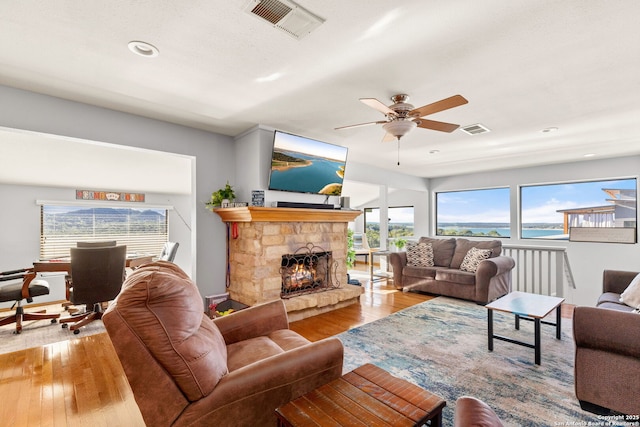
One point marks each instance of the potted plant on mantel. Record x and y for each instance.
(221, 197)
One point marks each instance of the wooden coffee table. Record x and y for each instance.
(526, 306)
(368, 396)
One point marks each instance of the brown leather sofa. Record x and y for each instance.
(491, 280)
(607, 358)
(187, 370)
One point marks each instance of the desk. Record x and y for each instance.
(64, 265)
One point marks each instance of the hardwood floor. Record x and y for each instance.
(378, 301)
(81, 382)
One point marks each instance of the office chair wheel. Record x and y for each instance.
(65, 326)
(76, 332)
(54, 320)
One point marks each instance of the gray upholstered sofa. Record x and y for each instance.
(490, 280)
(607, 359)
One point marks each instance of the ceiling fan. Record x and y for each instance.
(401, 117)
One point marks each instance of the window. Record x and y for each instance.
(400, 223)
(473, 213)
(551, 211)
(144, 231)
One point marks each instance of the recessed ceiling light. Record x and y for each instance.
(589, 155)
(551, 129)
(143, 49)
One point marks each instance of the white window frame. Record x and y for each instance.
(57, 246)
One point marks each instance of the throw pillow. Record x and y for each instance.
(631, 295)
(473, 258)
(419, 254)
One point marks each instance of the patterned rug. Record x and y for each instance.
(36, 333)
(441, 345)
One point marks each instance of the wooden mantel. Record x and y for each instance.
(260, 214)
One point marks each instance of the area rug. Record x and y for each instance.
(37, 333)
(441, 345)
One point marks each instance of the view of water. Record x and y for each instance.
(308, 179)
(527, 233)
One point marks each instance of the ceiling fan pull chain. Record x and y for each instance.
(398, 151)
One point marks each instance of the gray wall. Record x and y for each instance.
(26, 110)
(245, 162)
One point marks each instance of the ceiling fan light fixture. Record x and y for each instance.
(399, 128)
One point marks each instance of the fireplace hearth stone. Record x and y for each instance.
(265, 234)
(304, 306)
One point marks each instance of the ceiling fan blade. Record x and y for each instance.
(388, 137)
(443, 104)
(377, 105)
(361, 124)
(434, 125)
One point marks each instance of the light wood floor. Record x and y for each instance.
(81, 382)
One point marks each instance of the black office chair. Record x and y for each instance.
(169, 251)
(26, 288)
(97, 274)
(92, 244)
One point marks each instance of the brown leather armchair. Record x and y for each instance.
(473, 412)
(188, 370)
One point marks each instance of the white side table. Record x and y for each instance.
(379, 274)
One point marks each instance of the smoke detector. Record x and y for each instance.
(474, 129)
(285, 15)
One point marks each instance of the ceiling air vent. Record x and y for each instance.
(474, 129)
(285, 15)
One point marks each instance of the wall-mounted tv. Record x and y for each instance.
(304, 165)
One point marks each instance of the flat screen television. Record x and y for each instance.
(304, 165)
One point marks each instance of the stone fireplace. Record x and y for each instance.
(259, 238)
(308, 270)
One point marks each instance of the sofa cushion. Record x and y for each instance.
(425, 272)
(631, 295)
(611, 300)
(473, 258)
(419, 254)
(163, 308)
(442, 250)
(287, 339)
(243, 353)
(615, 306)
(456, 276)
(463, 246)
(609, 297)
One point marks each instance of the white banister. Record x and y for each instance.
(540, 269)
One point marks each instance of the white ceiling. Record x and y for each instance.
(523, 65)
(119, 167)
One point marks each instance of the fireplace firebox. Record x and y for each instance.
(310, 269)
